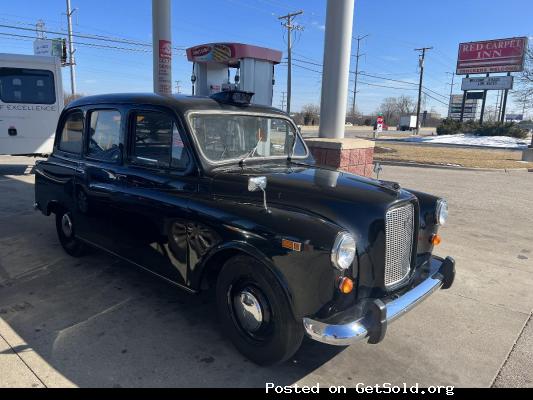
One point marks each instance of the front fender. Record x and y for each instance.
(304, 271)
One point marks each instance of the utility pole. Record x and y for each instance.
(359, 38)
(178, 87)
(421, 61)
(283, 100)
(451, 92)
(71, 61)
(290, 27)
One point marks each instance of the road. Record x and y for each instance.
(96, 321)
(367, 132)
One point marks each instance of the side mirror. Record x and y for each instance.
(257, 183)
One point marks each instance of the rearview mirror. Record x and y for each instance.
(257, 183)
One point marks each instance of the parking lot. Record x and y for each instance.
(96, 321)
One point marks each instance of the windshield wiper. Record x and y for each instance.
(249, 154)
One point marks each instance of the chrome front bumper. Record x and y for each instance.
(373, 324)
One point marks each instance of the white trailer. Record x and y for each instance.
(407, 123)
(31, 100)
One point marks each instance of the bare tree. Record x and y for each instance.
(311, 114)
(405, 105)
(392, 108)
(523, 93)
(71, 97)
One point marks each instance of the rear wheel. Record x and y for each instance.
(255, 312)
(66, 233)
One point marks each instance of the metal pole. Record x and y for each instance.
(72, 61)
(463, 104)
(483, 105)
(422, 56)
(336, 68)
(289, 17)
(505, 102)
(289, 69)
(162, 47)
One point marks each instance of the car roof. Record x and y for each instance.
(179, 103)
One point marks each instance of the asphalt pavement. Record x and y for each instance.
(99, 322)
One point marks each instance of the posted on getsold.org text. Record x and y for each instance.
(359, 388)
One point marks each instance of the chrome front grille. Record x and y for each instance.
(399, 230)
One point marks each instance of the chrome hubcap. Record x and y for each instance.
(248, 310)
(66, 225)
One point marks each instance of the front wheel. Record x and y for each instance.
(255, 312)
(66, 233)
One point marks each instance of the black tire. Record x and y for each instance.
(280, 334)
(73, 246)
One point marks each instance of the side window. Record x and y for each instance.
(72, 133)
(157, 141)
(104, 135)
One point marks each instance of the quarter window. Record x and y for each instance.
(157, 141)
(72, 133)
(104, 135)
(30, 86)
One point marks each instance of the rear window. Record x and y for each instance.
(72, 133)
(31, 86)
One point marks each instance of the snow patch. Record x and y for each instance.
(472, 140)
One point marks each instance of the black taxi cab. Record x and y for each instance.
(221, 195)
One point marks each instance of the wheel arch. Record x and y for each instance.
(211, 265)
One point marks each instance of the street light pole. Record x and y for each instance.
(72, 61)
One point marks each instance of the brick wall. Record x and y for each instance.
(351, 155)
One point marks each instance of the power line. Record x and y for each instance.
(87, 36)
(101, 46)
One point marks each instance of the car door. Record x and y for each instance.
(159, 178)
(99, 177)
(55, 179)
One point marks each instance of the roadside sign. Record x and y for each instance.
(500, 55)
(379, 123)
(474, 95)
(50, 48)
(488, 83)
(514, 117)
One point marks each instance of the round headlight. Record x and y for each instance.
(343, 252)
(441, 213)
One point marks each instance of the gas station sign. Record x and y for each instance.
(165, 63)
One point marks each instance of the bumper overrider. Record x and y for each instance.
(345, 329)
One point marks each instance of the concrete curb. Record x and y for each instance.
(419, 165)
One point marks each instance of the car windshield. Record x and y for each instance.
(230, 137)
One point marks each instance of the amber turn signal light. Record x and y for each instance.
(345, 285)
(435, 240)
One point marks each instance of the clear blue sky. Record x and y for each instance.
(394, 27)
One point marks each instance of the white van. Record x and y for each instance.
(31, 100)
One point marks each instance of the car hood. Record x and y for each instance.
(346, 199)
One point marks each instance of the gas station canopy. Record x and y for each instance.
(230, 54)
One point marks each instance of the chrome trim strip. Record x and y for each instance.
(345, 334)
